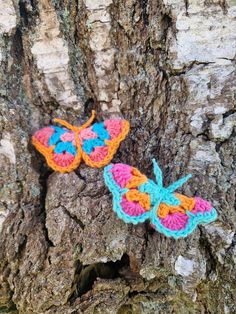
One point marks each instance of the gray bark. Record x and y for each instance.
(167, 66)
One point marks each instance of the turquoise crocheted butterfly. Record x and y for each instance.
(137, 198)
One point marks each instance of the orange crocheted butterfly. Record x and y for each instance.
(64, 147)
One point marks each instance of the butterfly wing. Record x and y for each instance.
(180, 220)
(100, 141)
(124, 182)
(59, 146)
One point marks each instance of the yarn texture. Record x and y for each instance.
(137, 198)
(65, 147)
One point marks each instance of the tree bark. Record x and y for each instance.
(167, 66)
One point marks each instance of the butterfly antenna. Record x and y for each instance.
(174, 186)
(84, 126)
(158, 173)
(66, 124)
(74, 128)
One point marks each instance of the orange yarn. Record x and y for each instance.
(112, 147)
(137, 179)
(74, 128)
(187, 203)
(48, 154)
(142, 198)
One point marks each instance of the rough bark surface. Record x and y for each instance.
(168, 66)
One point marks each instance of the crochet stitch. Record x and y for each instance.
(137, 198)
(64, 147)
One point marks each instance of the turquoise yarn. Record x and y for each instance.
(90, 144)
(65, 146)
(158, 194)
(55, 138)
(117, 197)
(101, 131)
(103, 134)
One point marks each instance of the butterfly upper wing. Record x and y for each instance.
(100, 141)
(59, 146)
(129, 203)
(180, 220)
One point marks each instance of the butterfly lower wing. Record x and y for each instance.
(100, 141)
(129, 203)
(59, 146)
(179, 221)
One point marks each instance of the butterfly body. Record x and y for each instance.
(65, 147)
(137, 199)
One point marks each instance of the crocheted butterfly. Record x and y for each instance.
(64, 147)
(137, 198)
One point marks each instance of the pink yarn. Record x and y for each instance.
(64, 159)
(68, 137)
(87, 134)
(121, 174)
(201, 206)
(175, 221)
(113, 127)
(43, 135)
(99, 153)
(131, 208)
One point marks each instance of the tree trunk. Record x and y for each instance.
(167, 66)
